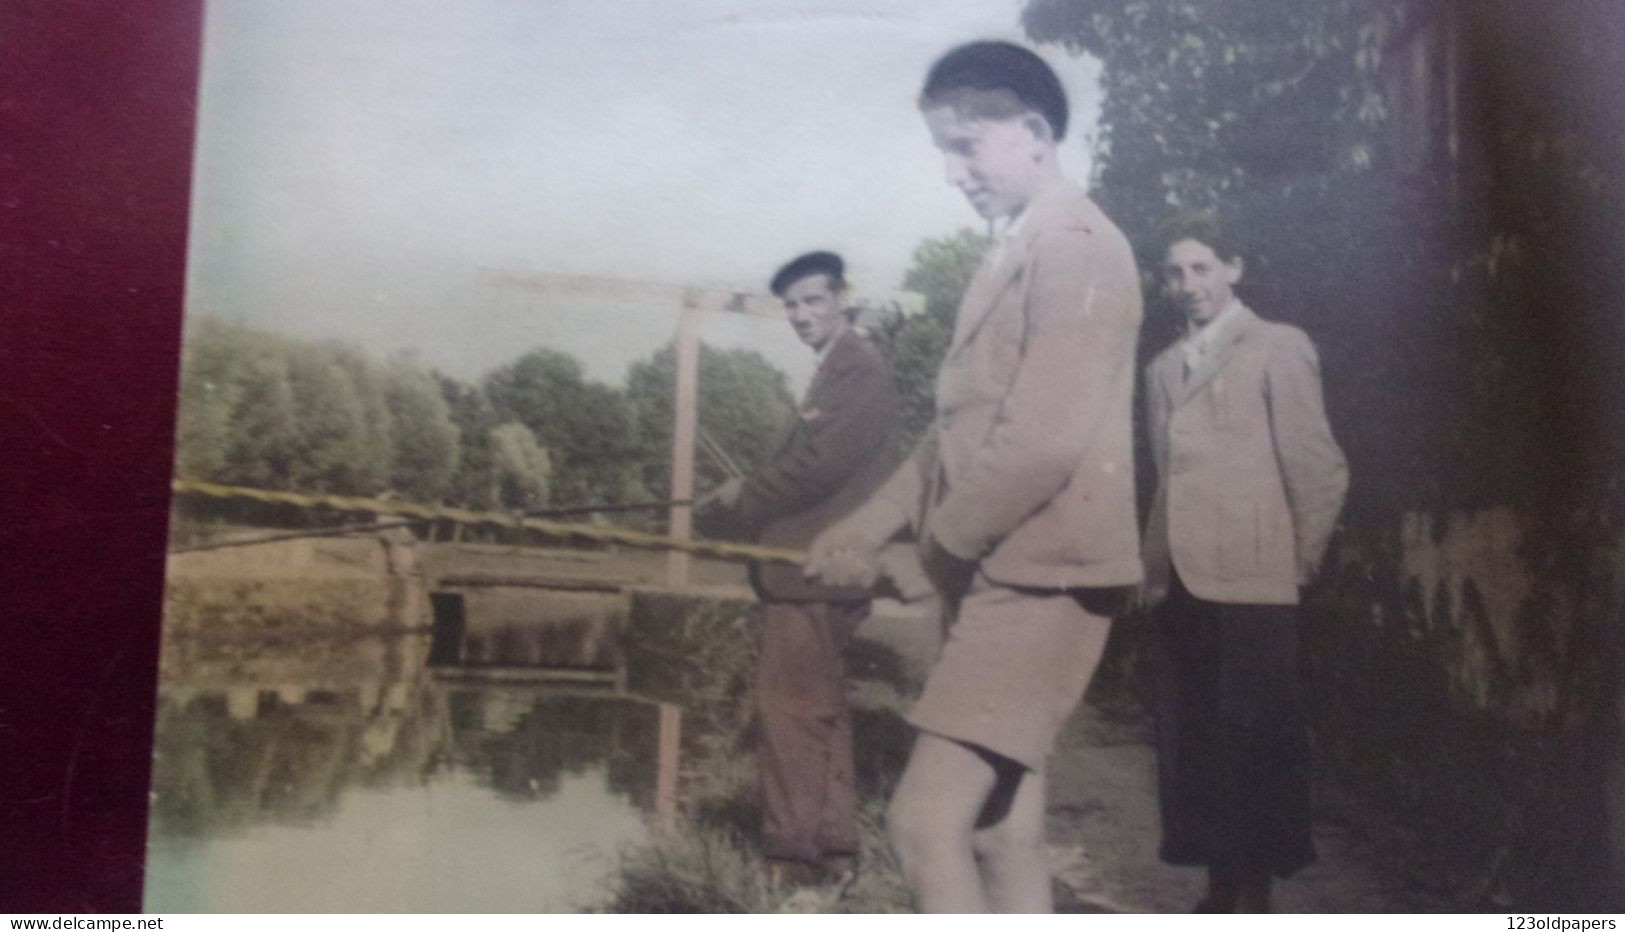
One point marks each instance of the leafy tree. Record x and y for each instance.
(1205, 99)
(268, 411)
(743, 403)
(587, 427)
(521, 466)
(212, 375)
(376, 459)
(265, 432)
(475, 484)
(334, 450)
(941, 271)
(426, 441)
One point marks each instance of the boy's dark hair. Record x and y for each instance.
(994, 67)
(812, 263)
(1203, 226)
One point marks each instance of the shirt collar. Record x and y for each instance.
(1200, 339)
(1012, 226)
(1211, 331)
(822, 353)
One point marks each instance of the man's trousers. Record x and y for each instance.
(809, 794)
(1232, 737)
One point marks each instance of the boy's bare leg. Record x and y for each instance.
(931, 820)
(1009, 843)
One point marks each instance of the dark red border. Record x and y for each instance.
(97, 103)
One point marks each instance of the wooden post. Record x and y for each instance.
(671, 740)
(684, 418)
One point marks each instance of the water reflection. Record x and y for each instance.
(340, 774)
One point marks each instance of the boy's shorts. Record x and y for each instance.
(1014, 665)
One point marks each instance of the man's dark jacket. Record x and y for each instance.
(840, 448)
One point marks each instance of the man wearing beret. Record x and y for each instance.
(836, 452)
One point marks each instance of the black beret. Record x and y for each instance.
(1001, 66)
(812, 263)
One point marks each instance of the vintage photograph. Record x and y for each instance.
(1110, 456)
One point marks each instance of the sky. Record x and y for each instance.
(372, 170)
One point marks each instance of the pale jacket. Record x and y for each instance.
(1250, 479)
(1028, 467)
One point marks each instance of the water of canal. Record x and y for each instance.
(321, 773)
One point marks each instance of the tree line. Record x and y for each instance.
(271, 411)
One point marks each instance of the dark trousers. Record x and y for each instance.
(1232, 738)
(809, 796)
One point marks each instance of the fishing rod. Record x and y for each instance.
(301, 535)
(389, 525)
(492, 518)
(718, 455)
(607, 508)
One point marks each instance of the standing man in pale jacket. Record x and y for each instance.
(1021, 495)
(1250, 487)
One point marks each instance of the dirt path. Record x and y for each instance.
(1104, 825)
(1103, 822)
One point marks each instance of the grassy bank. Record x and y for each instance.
(703, 651)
